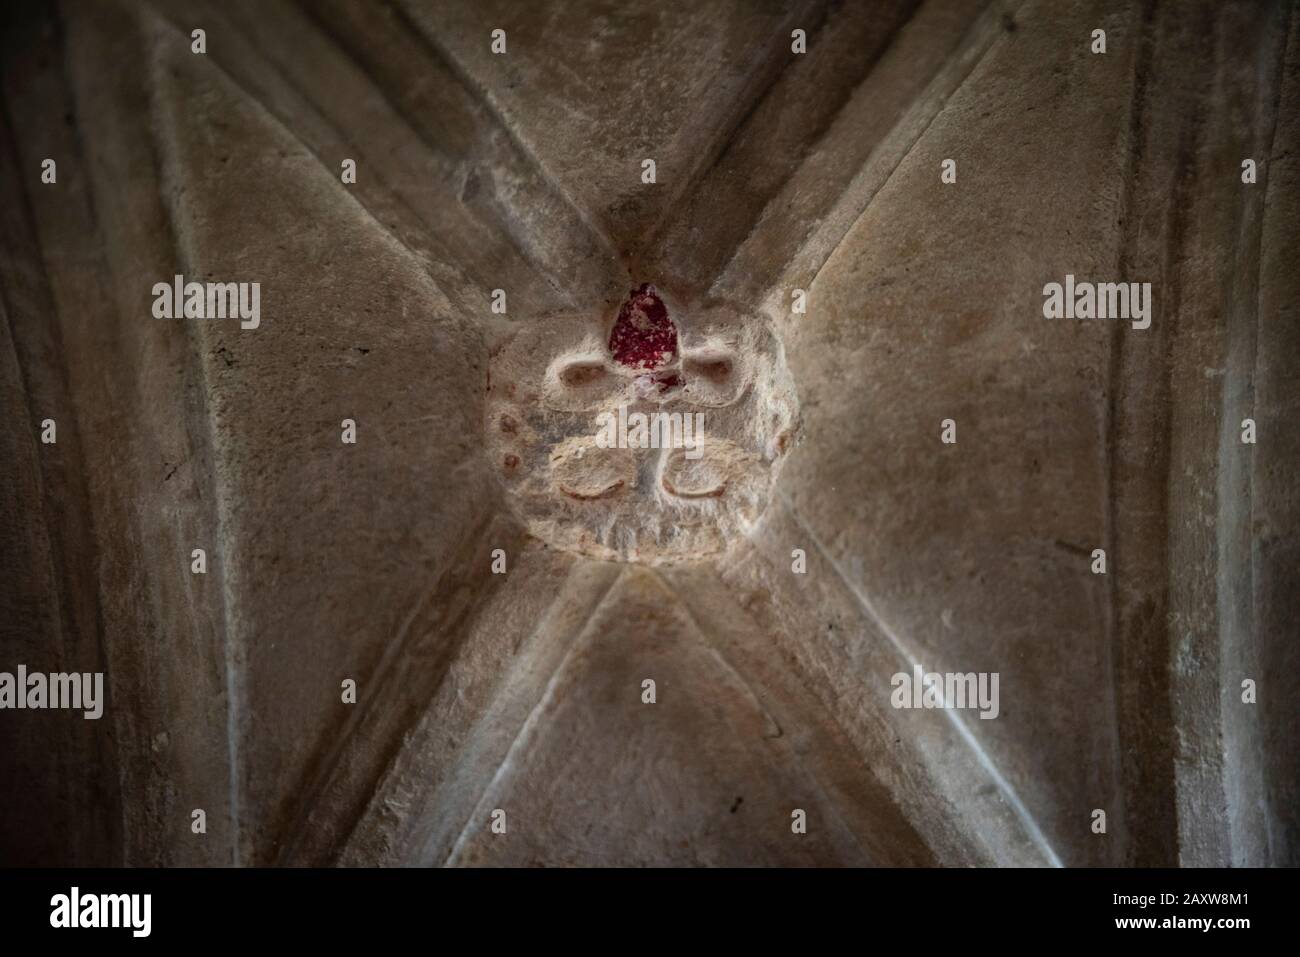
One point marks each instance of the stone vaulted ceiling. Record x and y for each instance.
(829, 541)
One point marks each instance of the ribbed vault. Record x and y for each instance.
(774, 172)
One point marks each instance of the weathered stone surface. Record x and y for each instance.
(501, 587)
